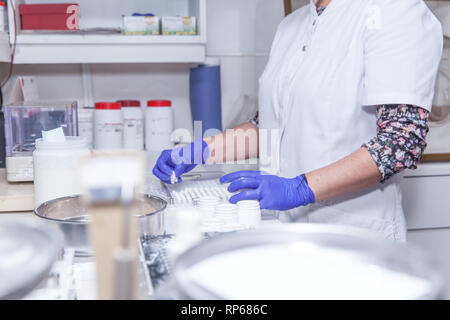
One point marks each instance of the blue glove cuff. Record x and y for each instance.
(304, 189)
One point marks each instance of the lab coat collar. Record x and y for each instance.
(313, 6)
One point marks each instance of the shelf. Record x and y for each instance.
(104, 53)
(97, 48)
(75, 38)
(37, 47)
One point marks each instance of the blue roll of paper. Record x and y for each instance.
(206, 97)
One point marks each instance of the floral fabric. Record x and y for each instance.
(400, 141)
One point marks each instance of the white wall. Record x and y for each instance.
(239, 33)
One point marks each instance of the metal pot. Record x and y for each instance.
(71, 216)
(371, 250)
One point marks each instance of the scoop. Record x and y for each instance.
(173, 178)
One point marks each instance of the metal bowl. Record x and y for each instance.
(71, 216)
(370, 250)
(27, 252)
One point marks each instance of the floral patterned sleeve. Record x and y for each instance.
(400, 140)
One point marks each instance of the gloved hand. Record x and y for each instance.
(180, 161)
(272, 192)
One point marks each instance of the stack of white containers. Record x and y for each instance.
(249, 213)
(207, 206)
(227, 214)
(217, 216)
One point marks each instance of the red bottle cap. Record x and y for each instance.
(108, 106)
(2, 4)
(159, 103)
(129, 103)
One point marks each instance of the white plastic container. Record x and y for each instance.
(141, 25)
(55, 168)
(2, 16)
(108, 126)
(207, 206)
(249, 213)
(158, 125)
(227, 214)
(86, 125)
(133, 125)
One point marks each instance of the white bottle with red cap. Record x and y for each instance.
(133, 124)
(159, 125)
(108, 126)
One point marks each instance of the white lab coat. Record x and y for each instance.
(317, 93)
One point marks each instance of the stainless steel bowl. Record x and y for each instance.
(71, 216)
(370, 249)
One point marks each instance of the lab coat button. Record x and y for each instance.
(314, 22)
(304, 48)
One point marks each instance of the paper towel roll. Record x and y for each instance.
(205, 96)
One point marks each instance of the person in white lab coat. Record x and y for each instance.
(343, 108)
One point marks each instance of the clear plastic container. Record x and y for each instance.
(24, 123)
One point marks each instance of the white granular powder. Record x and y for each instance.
(302, 271)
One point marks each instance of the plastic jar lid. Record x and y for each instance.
(159, 103)
(108, 106)
(71, 143)
(129, 103)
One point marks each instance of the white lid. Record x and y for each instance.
(71, 143)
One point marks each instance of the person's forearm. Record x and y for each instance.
(353, 173)
(235, 144)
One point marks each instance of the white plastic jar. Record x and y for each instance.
(133, 124)
(249, 213)
(108, 126)
(55, 168)
(159, 125)
(86, 125)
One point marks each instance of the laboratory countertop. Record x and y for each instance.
(15, 197)
(83, 272)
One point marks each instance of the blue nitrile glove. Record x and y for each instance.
(272, 192)
(180, 160)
